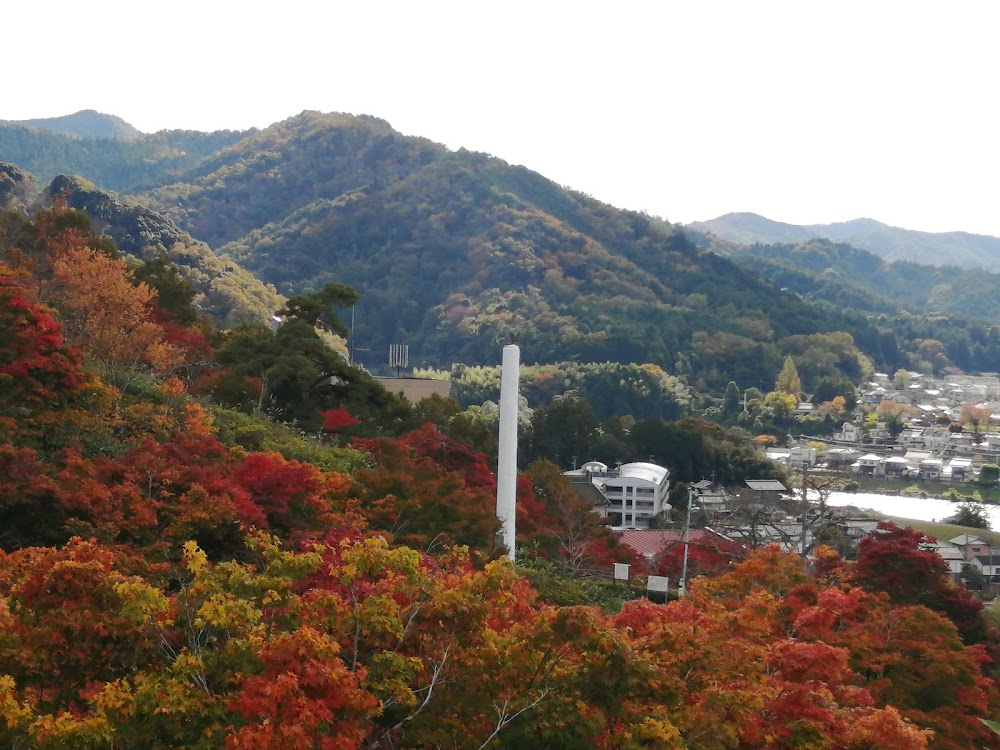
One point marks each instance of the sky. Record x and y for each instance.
(804, 112)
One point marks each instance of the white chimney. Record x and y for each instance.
(507, 464)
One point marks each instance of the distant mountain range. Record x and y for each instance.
(86, 123)
(960, 249)
(457, 253)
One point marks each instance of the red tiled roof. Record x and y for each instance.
(654, 541)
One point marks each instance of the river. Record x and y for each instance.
(916, 508)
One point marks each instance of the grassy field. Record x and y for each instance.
(945, 531)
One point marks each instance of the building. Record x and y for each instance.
(416, 389)
(971, 546)
(634, 492)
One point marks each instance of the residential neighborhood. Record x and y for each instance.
(942, 431)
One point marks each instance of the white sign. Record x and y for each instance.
(621, 571)
(658, 583)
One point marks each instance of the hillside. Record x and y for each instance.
(110, 163)
(84, 124)
(458, 253)
(226, 292)
(960, 249)
(843, 275)
(175, 574)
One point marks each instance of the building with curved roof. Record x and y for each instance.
(632, 494)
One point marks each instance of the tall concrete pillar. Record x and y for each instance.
(507, 464)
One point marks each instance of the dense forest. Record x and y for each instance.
(457, 253)
(236, 540)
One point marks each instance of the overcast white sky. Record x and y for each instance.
(805, 112)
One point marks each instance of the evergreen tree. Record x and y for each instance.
(731, 401)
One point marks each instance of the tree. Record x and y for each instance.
(971, 514)
(788, 380)
(107, 315)
(989, 475)
(36, 368)
(896, 561)
(975, 417)
(731, 401)
(563, 429)
(317, 308)
(175, 295)
(782, 404)
(894, 415)
(565, 527)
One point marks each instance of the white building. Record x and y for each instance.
(635, 492)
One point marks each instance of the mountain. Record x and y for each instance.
(960, 249)
(111, 164)
(226, 291)
(843, 275)
(458, 253)
(86, 123)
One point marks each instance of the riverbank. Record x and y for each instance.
(906, 487)
(926, 514)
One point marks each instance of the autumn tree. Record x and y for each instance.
(788, 379)
(106, 314)
(976, 417)
(36, 368)
(894, 415)
(565, 527)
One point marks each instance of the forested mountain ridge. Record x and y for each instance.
(961, 249)
(458, 253)
(226, 292)
(844, 275)
(86, 123)
(111, 164)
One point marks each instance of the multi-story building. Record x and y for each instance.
(634, 493)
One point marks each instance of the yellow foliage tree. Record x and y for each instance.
(107, 315)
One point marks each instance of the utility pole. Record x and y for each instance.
(682, 586)
(805, 510)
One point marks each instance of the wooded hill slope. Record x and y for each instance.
(226, 292)
(458, 253)
(960, 249)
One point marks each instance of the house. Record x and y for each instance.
(911, 437)
(634, 492)
(878, 436)
(952, 555)
(416, 389)
(857, 529)
(801, 455)
(840, 456)
(849, 433)
(895, 466)
(930, 468)
(712, 500)
(936, 438)
(874, 395)
(971, 546)
(868, 465)
(959, 470)
(988, 565)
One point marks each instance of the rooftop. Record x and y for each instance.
(766, 485)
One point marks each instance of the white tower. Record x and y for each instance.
(507, 463)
